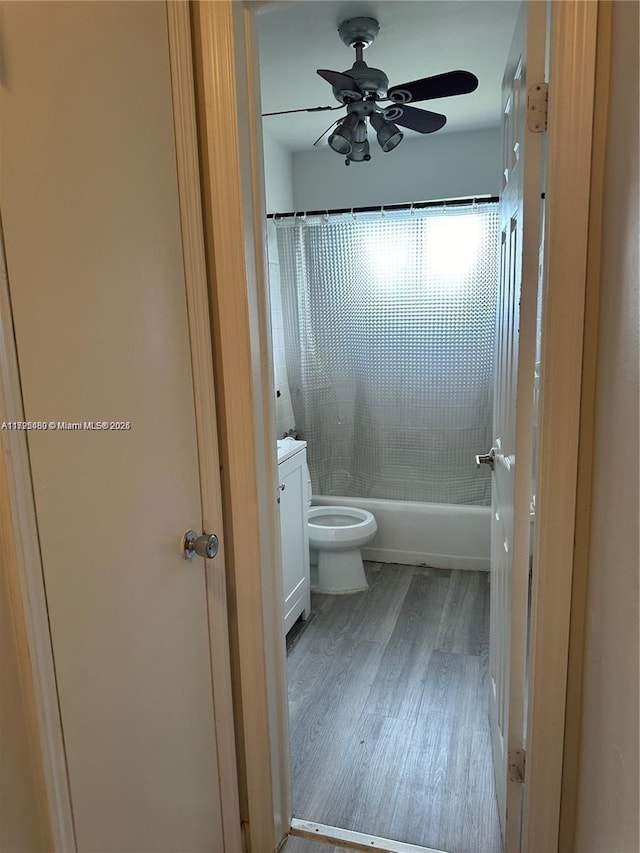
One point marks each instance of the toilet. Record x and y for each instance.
(338, 533)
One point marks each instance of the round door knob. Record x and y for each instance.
(205, 545)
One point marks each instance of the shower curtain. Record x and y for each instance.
(389, 337)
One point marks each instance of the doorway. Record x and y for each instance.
(386, 686)
(262, 715)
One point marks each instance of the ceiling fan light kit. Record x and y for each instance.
(389, 135)
(361, 88)
(343, 137)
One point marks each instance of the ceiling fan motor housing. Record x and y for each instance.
(359, 31)
(372, 81)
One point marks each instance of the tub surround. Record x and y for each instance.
(445, 536)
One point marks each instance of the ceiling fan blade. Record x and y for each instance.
(341, 81)
(438, 86)
(304, 110)
(322, 135)
(424, 121)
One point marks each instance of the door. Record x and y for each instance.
(513, 416)
(92, 229)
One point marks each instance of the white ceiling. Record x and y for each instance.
(417, 38)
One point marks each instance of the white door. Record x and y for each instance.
(91, 224)
(512, 419)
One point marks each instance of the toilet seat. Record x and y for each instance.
(339, 527)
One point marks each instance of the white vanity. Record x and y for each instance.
(294, 538)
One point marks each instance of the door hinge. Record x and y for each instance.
(516, 762)
(537, 103)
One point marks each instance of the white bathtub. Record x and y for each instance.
(446, 536)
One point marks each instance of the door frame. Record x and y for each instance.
(232, 184)
(572, 96)
(571, 109)
(209, 461)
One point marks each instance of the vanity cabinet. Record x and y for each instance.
(294, 538)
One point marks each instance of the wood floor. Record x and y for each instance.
(388, 711)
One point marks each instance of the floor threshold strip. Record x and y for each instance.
(353, 840)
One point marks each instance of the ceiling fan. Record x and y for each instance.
(361, 88)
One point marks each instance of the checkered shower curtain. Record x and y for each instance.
(389, 335)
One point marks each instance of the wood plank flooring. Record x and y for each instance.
(388, 711)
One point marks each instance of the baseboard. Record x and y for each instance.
(415, 558)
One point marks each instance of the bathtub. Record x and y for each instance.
(446, 536)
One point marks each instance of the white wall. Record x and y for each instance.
(279, 196)
(278, 176)
(607, 816)
(284, 410)
(449, 165)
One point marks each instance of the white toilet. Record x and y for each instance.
(337, 533)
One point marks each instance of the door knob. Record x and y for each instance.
(204, 546)
(487, 458)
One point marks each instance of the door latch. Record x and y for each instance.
(205, 545)
(487, 458)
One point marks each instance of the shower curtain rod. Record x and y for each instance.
(415, 205)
